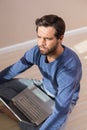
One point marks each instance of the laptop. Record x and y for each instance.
(34, 104)
(15, 114)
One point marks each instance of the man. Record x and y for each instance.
(60, 67)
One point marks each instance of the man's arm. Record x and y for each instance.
(13, 70)
(67, 84)
(29, 58)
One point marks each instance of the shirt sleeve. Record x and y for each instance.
(23, 64)
(67, 80)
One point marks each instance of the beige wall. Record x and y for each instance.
(17, 17)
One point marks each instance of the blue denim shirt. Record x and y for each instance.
(61, 78)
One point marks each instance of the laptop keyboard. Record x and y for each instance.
(33, 112)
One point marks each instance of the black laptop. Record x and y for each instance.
(35, 105)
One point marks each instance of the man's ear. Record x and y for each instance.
(61, 37)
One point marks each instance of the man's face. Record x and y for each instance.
(47, 42)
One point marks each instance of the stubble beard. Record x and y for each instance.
(49, 52)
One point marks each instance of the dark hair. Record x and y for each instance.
(54, 21)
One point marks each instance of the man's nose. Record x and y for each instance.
(42, 41)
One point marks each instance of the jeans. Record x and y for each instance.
(11, 88)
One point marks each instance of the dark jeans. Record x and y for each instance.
(11, 88)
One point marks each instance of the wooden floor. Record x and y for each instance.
(78, 118)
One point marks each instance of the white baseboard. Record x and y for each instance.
(34, 41)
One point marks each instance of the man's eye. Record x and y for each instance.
(38, 37)
(46, 38)
(49, 38)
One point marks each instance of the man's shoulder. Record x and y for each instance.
(33, 50)
(71, 57)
